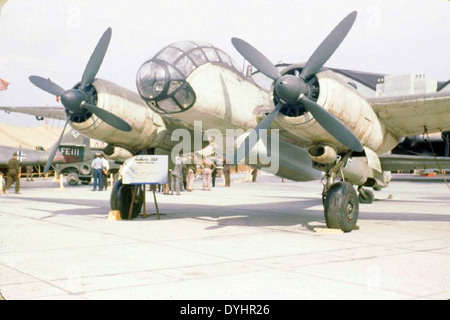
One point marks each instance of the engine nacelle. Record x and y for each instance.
(148, 128)
(344, 102)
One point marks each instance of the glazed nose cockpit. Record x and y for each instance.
(161, 81)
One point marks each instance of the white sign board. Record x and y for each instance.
(146, 169)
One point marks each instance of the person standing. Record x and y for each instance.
(97, 167)
(214, 173)
(208, 167)
(30, 173)
(226, 173)
(13, 175)
(175, 179)
(105, 172)
(254, 175)
(184, 175)
(191, 169)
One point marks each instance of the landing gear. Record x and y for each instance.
(365, 196)
(340, 200)
(341, 207)
(123, 195)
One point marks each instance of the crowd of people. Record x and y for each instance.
(181, 176)
(185, 170)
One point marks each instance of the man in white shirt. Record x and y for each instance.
(97, 167)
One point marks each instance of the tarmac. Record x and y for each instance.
(254, 241)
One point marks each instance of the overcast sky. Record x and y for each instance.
(55, 38)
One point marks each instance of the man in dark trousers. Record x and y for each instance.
(13, 174)
(97, 167)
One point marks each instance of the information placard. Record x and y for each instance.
(146, 169)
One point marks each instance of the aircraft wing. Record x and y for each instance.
(394, 162)
(409, 115)
(57, 113)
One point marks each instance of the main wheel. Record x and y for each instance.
(341, 207)
(121, 197)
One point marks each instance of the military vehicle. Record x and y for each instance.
(79, 156)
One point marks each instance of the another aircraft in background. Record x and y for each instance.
(72, 159)
(27, 157)
(326, 128)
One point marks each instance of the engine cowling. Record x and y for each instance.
(345, 103)
(148, 128)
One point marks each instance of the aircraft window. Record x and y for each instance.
(224, 57)
(211, 54)
(185, 45)
(185, 65)
(169, 54)
(174, 85)
(203, 44)
(175, 74)
(235, 65)
(167, 106)
(151, 79)
(184, 96)
(198, 57)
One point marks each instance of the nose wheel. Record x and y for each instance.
(128, 199)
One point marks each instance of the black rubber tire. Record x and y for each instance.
(370, 197)
(73, 179)
(85, 181)
(85, 169)
(121, 196)
(341, 207)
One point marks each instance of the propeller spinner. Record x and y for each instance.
(76, 100)
(294, 89)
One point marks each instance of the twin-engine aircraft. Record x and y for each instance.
(326, 129)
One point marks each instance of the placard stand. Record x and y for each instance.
(158, 214)
(143, 170)
(144, 214)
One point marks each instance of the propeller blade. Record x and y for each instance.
(254, 136)
(108, 117)
(333, 125)
(328, 46)
(96, 59)
(55, 148)
(256, 58)
(46, 85)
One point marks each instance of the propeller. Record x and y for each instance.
(294, 89)
(55, 149)
(79, 99)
